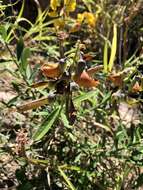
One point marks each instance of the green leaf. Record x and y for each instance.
(20, 175)
(85, 96)
(47, 124)
(34, 72)
(69, 184)
(3, 32)
(19, 48)
(113, 48)
(105, 99)
(25, 186)
(13, 101)
(105, 57)
(37, 161)
(24, 59)
(21, 10)
(29, 73)
(65, 120)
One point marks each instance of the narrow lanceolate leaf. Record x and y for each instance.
(85, 96)
(21, 10)
(38, 161)
(113, 48)
(19, 48)
(107, 128)
(105, 57)
(24, 59)
(68, 182)
(40, 84)
(33, 104)
(47, 124)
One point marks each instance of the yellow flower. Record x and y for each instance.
(59, 23)
(80, 17)
(70, 5)
(88, 18)
(54, 4)
(53, 14)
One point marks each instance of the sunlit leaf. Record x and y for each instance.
(113, 48)
(85, 96)
(47, 124)
(69, 184)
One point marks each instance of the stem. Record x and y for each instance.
(12, 56)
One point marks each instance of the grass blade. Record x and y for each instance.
(113, 48)
(16, 22)
(21, 10)
(105, 57)
(69, 184)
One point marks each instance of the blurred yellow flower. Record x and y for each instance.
(54, 4)
(53, 14)
(88, 18)
(80, 17)
(59, 23)
(70, 5)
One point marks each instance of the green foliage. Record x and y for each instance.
(58, 132)
(19, 48)
(24, 62)
(48, 123)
